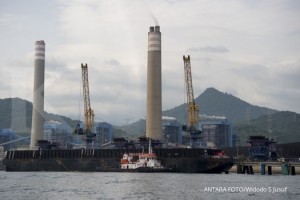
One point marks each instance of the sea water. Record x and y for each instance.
(76, 185)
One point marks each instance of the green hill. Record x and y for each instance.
(135, 129)
(214, 102)
(16, 114)
(282, 126)
(247, 119)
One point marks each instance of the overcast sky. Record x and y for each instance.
(248, 48)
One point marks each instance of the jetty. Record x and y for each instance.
(266, 167)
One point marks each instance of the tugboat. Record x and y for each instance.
(142, 162)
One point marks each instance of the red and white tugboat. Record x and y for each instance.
(142, 162)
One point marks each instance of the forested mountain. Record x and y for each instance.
(214, 102)
(16, 113)
(247, 119)
(283, 126)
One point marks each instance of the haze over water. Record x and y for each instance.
(75, 185)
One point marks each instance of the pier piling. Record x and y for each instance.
(284, 169)
(269, 170)
(267, 167)
(239, 168)
(262, 168)
(293, 170)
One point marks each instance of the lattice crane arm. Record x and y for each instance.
(193, 109)
(88, 112)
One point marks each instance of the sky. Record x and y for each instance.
(247, 48)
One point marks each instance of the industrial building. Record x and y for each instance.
(261, 148)
(172, 131)
(103, 134)
(236, 141)
(57, 133)
(216, 131)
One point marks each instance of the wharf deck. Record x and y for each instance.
(261, 167)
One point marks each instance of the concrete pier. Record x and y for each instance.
(270, 168)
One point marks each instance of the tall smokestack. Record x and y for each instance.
(37, 128)
(153, 116)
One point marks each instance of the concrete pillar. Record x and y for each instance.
(251, 169)
(284, 169)
(239, 168)
(262, 168)
(293, 170)
(269, 170)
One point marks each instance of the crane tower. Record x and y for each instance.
(88, 112)
(87, 132)
(193, 109)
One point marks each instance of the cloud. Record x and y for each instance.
(209, 49)
(249, 55)
(10, 21)
(114, 88)
(5, 81)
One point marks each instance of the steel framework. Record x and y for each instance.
(193, 109)
(88, 112)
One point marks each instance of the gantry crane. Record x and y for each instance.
(88, 112)
(193, 109)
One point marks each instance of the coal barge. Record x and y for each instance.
(180, 160)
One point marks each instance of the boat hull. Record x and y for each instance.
(108, 160)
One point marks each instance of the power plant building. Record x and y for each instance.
(38, 94)
(216, 131)
(58, 133)
(154, 97)
(172, 131)
(103, 134)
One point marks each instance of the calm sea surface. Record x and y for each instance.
(75, 185)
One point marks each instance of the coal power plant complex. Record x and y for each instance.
(147, 154)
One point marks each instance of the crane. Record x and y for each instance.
(193, 109)
(88, 112)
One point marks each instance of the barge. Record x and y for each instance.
(180, 160)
